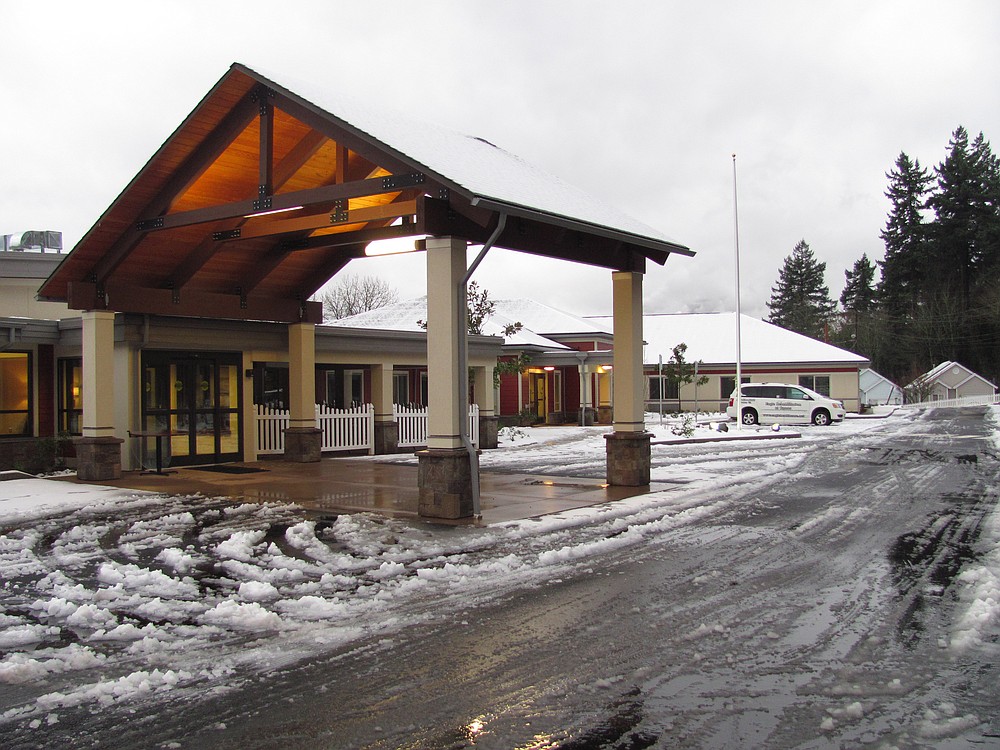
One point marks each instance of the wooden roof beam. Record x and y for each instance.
(283, 171)
(268, 228)
(193, 167)
(285, 201)
(136, 299)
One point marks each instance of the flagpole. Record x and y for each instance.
(739, 374)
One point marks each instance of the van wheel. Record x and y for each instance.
(821, 417)
(749, 416)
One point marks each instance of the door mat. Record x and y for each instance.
(226, 469)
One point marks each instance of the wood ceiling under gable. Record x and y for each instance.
(258, 198)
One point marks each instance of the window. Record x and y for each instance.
(270, 385)
(15, 393)
(70, 384)
(728, 385)
(354, 388)
(401, 388)
(818, 383)
(662, 388)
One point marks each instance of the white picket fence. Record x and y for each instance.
(966, 401)
(343, 429)
(412, 425)
(351, 429)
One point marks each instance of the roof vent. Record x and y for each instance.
(33, 242)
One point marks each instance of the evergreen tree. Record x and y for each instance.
(800, 301)
(903, 270)
(859, 290)
(965, 235)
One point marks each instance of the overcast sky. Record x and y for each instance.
(640, 103)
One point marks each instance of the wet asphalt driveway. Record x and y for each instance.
(813, 604)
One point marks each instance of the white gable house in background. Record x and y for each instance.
(953, 380)
(769, 354)
(878, 390)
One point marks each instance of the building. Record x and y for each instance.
(878, 390)
(950, 380)
(768, 354)
(568, 359)
(191, 294)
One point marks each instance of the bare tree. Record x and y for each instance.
(355, 294)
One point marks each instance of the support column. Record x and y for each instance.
(489, 422)
(445, 475)
(386, 429)
(98, 451)
(303, 439)
(628, 452)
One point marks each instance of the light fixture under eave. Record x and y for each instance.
(272, 211)
(394, 246)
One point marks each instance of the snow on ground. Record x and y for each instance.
(981, 581)
(111, 596)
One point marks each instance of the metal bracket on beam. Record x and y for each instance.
(175, 295)
(392, 181)
(243, 297)
(340, 212)
(231, 234)
(444, 194)
(263, 202)
(147, 224)
(262, 94)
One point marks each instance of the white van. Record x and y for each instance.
(785, 404)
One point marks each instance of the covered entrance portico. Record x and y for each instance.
(260, 197)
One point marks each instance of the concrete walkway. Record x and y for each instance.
(345, 485)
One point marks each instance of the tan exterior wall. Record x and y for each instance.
(17, 299)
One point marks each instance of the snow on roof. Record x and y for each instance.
(547, 320)
(936, 372)
(482, 168)
(403, 316)
(711, 338)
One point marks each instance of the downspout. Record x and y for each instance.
(463, 361)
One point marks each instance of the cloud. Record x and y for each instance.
(640, 103)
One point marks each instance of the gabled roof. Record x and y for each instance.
(264, 193)
(937, 373)
(711, 338)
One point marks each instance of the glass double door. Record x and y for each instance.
(195, 400)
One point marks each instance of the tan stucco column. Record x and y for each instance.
(386, 429)
(489, 422)
(98, 450)
(303, 440)
(445, 476)
(628, 452)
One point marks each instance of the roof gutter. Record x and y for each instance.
(649, 243)
(463, 362)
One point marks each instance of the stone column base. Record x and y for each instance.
(98, 459)
(303, 445)
(386, 438)
(629, 458)
(445, 483)
(489, 432)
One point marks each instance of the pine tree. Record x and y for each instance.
(800, 301)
